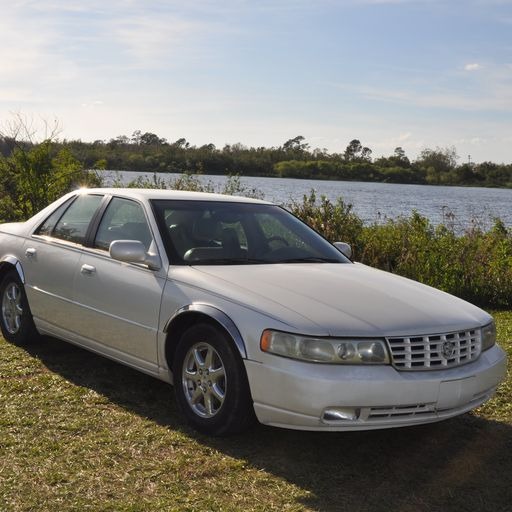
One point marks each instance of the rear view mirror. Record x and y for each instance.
(344, 248)
(133, 251)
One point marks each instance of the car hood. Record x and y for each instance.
(338, 299)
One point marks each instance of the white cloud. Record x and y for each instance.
(404, 137)
(150, 39)
(33, 57)
(472, 67)
(92, 104)
(492, 93)
(20, 50)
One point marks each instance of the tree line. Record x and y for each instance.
(147, 152)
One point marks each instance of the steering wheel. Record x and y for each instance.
(278, 238)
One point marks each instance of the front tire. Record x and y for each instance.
(210, 382)
(16, 320)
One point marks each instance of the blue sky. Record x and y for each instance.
(410, 73)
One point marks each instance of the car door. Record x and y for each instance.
(51, 256)
(120, 302)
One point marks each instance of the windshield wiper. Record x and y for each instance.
(309, 259)
(228, 261)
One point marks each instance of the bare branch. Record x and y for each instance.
(23, 129)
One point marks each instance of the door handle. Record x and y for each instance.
(88, 269)
(30, 252)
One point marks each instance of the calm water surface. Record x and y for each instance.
(375, 202)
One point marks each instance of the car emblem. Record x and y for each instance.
(448, 349)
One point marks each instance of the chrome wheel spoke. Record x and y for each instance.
(196, 395)
(190, 374)
(218, 393)
(198, 358)
(208, 358)
(208, 404)
(217, 374)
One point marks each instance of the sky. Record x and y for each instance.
(411, 73)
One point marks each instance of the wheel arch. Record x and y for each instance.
(9, 262)
(192, 314)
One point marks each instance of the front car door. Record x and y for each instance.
(120, 302)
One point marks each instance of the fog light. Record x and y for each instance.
(341, 414)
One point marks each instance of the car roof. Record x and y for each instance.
(150, 193)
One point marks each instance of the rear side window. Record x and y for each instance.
(73, 225)
(47, 227)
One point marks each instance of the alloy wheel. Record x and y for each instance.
(12, 310)
(204, 380)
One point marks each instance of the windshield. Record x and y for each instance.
(232, 233)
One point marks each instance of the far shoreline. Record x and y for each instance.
(317, 178)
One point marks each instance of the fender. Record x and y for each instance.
(12, 260)
(219, 316)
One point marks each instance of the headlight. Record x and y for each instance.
(323, 350)
(488, 336)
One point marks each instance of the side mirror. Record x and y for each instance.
(344, 248)
(133, 251)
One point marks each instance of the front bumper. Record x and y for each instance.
(297, 395)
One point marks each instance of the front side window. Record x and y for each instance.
(224, 233)
(75, 221)
(123, 219)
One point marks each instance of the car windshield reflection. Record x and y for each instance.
(221, 233)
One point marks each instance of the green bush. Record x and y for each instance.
(335, 221)
(34, 176)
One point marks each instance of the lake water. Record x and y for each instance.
(375, 202)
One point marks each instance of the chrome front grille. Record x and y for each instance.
(435, 352)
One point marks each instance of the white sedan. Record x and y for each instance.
(248, 311)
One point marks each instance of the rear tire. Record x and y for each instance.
(16, 320)
(210, 382)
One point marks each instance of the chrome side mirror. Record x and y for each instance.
(344, 248)
(133, 251)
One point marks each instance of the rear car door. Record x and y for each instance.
(51, 256)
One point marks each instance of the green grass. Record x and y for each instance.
(79, 432)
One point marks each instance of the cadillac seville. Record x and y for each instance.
(247, 311)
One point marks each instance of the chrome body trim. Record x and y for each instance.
(217, 315)
(12, 260)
